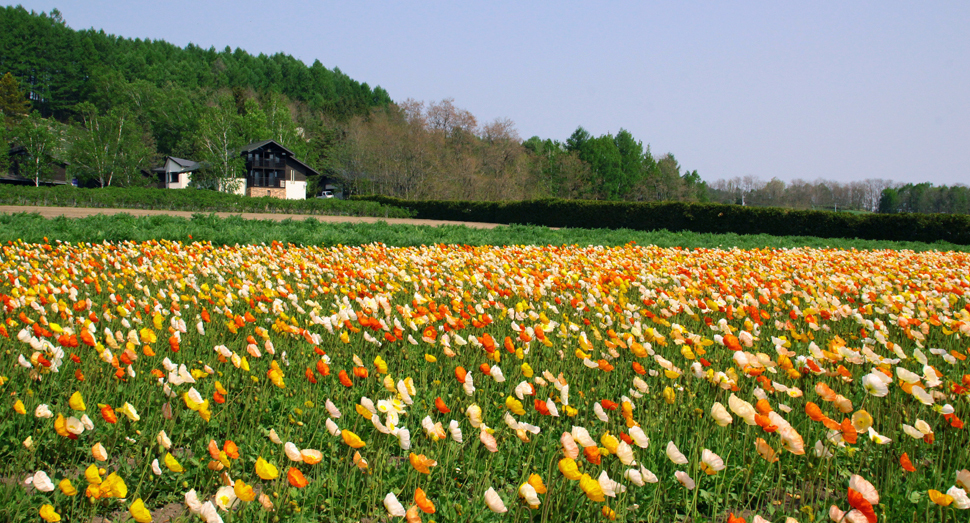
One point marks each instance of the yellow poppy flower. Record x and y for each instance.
(364, 412)
(941, 499)
(569, 469)
(380, 365)
(266, 470)
(113, 487)
(610, 442)
(76, 402)
(19, 408)
(669, 395)
(128, 410)
(139, 512)
(536, 481)
(351, 439)
(592, 488)
(92, 475)
(60, 426)
(47, 512)
(67, 488)
(243, 491)
(173, 463)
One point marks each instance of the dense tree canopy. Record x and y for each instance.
(57, 65)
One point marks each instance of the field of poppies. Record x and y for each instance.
(157, 379)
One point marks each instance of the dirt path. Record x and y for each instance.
(80, 212)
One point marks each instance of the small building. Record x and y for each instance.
(273, 170)
(17, 173)
(176, 173)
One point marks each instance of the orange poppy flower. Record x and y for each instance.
(440, 405)
(638, 368)
(422, 463)
(906, 463)
(508, 345)
(345, 379)
(108, 414)
(765, 450)
(542, 407)
(814, 412)
(825, 391)
(609, 405)
(859, 503)
(765, 423)
(763, 407)
(460, 374)
(592, 454)
(296, 478)
(231, 449)
(360, 372)
(323, 368)
(849, 433)
(831, 424)
(488, 343)
(213, 449)
(955, 422)
(422, 501)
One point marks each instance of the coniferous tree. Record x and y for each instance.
(13, 100)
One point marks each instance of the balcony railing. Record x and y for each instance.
(273, 164)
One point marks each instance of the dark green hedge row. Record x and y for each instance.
(196, 200)
(697, 217)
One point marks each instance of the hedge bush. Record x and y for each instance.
(195, 200)
(696, 217)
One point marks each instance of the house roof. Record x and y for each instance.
(259, 145)
(186, 165)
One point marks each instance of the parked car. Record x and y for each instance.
(326, 194)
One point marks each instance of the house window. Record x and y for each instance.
(173, 177)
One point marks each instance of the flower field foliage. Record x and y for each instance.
(32, 227)
(462, 383)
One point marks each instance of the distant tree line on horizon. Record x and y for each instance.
(871, 195)
(110, 108)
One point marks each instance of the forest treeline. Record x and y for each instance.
(109, 108)
(873, 195)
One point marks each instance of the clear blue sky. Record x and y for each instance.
(839, 90)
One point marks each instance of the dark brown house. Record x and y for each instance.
(57, 176)
(273, 170)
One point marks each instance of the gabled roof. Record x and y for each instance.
(186, 165)
(259, 145)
